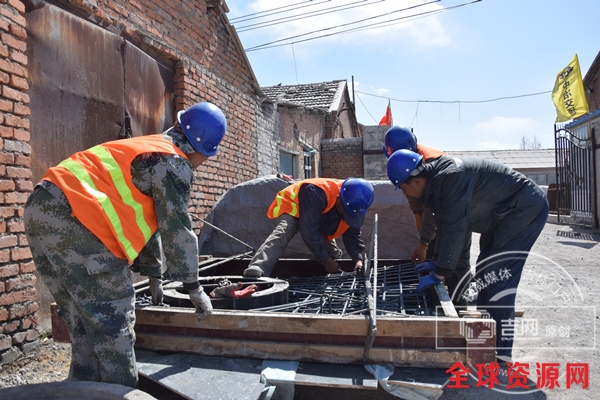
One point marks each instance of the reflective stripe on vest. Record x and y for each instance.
(120, 215)
(280, 198)
(286, 202)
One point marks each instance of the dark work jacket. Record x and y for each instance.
(314, 224)
(475, 195)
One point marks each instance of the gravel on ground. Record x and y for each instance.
(50, 364)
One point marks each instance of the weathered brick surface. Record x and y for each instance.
(208, 66)
(17, 281)
(342, 158)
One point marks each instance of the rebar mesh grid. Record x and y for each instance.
(344, 293)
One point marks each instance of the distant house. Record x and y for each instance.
(538, 165)
(305, 115)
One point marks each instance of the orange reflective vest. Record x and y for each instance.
(286, 201)
(429, 153)
(98, 185)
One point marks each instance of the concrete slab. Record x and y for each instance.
(70, 390)
(202, 377)
(332, 375)
(431, 377)
(346, 376)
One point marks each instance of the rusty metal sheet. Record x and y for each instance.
(76, 88)
(148, 92)
(89, 86)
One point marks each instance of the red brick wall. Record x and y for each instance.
(18, 306)
(209, 67)
(342, 158)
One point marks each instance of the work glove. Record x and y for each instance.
(425, 267)
(427, 281)
(156, 290)
(201, 301)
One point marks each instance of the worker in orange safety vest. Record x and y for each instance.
(103, 209)
(321, 210)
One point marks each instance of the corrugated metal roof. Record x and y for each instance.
(516, 159)
(323, 95)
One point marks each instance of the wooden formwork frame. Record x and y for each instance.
(399, 340)
(436, 342)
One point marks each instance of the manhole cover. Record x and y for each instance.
(271, 292)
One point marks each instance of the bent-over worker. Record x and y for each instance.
(321, 210)
(402, 138)
(473, 195)
(93, 214)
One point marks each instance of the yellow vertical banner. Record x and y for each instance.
(568, 94)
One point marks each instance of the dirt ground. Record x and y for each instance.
(559, 297)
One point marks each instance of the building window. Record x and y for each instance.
(287, 162)
(308, 165)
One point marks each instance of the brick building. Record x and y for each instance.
(307, 118)
(75, 73)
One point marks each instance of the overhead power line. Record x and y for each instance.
(288, 40)
(310, 14)
(277, 10)
(457, 101)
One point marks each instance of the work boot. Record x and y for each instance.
(253, 272)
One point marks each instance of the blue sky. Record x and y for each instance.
(437, 68)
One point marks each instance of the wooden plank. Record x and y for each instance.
(481, 342)
(299, 351)
(393, 326)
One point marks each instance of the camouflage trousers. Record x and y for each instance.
(92, 288)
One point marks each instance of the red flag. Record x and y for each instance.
(387, 118)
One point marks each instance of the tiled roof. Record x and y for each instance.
(516, 159)
(323, 95)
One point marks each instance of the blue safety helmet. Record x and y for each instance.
(402, 164)
(204, 125)
(399, 137)
(357, 196)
